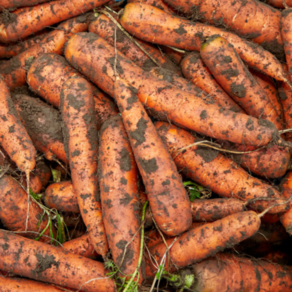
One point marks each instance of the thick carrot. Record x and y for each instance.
(233, 76)
(19, 214)
(167, 196)
(228, 272)
(81, 246)
(212, 169)
(45, 263)
(119, 195)
(208, 240)
(156, 3)
(81, 141)
(13, 136)
(86, 50)
(250, 19)
(7, 4)
(280, 3)
(14, 70)
(198, 73)
(28, 20)
(61, 197)
(105, 28)
(47, 75)
(145, 21)
(43, 124)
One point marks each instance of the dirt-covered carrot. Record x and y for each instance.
(61, 197)
(280, 3)
(250, 19)
(35, 183)
(156, 3)
(233, 76)
(119, 195)
(145, 21)
(7, 4)
(28, 20)
(45, 263)
(167, 196)
(105, 28)
(47, 75)
(81, 246)
(215, 171)
(14, 70)
(26, 215)
(197, 72)
(43, 124)
(87, 50)
(43, 172)
(214, 274)
(13, 136)
(81, 146)
(208, 239)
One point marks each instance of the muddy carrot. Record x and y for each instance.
(156, 3)
(7, 4)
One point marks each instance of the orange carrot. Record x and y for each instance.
(198, 73)
(47, 75)
(145, 21)
(173, 54)
(28, 20)
(35, 183)
(211, 169)
(7, 4)
(81, 141)
(167, 196)
(280, 3)
(14, 70)
(45, 263)
(156, 3)
(43, 172)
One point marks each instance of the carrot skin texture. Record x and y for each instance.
(43, 125)
(145, 21)
(47, 75)
(29, 20)
(61, 196)
(13, 136)
(198, 73)
(19, 3)
(156, 3)
(221, 174)
(208, 239)
(119, 195)
(165, 101)
(60, 266)
(230, 72)
(80, 132)
(279, 3)
(14, 197)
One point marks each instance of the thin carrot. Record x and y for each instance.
(81, 140)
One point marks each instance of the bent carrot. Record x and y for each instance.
(43, 124)
(198, 73)
(86, 50)
(47, 75)
(119, 195)
(81, 140)
(144, 21)
(215, 171)
(61, 196)
(45, 263)
(28, 20)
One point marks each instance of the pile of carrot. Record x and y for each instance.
(145, 145)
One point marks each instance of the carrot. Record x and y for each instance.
(280, 3)
(35, 183)
(145, 21)
(208, 240)
(81, 246)
(26, 215)
(43, 124)
(43, 172)
(198, 73)
(61, 196)
(167, 196)
(7, 4)
(174, 55)
(45, 263)
(250, 19)
(28, 20)
(214, 274)
(119, 195)
(86, 50)
(14, 70)
(278, 257)
(47, 75)
(156, 3)
(13, 136)
(230, 72)
(212, 169)
(81, 140)
(105, 28)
